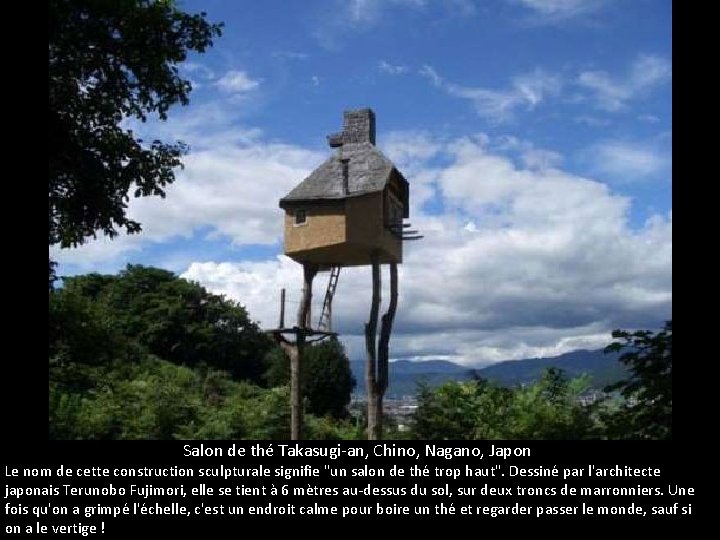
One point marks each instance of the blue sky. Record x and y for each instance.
(536, 136)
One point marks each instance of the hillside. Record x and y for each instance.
(405, 375)
(602, 368)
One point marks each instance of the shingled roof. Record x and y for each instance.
(368, 170)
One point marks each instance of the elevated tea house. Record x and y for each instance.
(349, 212)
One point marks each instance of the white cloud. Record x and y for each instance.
(410, 151)
(538, 159)
(408, 148)
(256, 284)
(517, 260)
(207, 125)
(236, 82)
(624, 161)
(392, 69)
(224, 189)
(535, 86)
(430, 73)
(612, 94)
(532, 157)
(95, 255)
(228, 189)
(525, 92)
(523, 261)
(548, 11)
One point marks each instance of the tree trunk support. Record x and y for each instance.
(295, 352)
(378, 353)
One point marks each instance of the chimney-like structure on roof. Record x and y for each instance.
(358, 127)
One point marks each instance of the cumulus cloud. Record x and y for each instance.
(613, 93)
(520, 258)
(228, 188)
(411, 151)
(531, 156)
(523, 261)
(223, 191)
(101, 254)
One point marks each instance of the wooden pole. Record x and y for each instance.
(385, 331)
(329, 320)
(309, 272)
(377, 362)
(374, 429)
(296, 355)
(296, 412)
(282, 308)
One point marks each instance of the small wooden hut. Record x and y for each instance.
(351, 208)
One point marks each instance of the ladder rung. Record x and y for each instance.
(329, 293)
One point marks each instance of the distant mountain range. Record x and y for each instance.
(405, 375)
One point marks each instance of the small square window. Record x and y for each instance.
(300, 217)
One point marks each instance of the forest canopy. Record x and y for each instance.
(145, 354)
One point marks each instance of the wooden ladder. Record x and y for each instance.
(325, 322)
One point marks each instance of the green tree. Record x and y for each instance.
(646, 412)
(151, 398)
(109, 61)
(327, 382)
(173, 319)
(549, 409)
(478, 409)
(155, 399)
(448, 412)
(467, 410)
